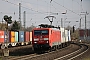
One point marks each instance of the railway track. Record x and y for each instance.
(28, 56)
(73, 51)
(73, 55)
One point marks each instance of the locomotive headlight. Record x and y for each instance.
(35, 42)
(36, 39)
(46, 39)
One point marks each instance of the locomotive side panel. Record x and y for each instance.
(55, 38)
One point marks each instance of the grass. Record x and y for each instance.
(87, 59)
(0, 58)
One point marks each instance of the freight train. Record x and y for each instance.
(83, 32)
(48, 37)
(84, 35)
(15, 38)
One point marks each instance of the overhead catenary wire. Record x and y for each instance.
(66, 8)
(51, 5)
(80, 4)
(37, 12)
(23, 7)
(37, 7)
(42, 12)
(37, 4)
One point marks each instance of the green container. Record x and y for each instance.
(16, 36)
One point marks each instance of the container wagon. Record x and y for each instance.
(15, 38)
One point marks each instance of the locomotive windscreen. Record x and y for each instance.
(41, 32)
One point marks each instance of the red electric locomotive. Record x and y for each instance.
(46, 38)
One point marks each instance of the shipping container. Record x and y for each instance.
(1, 36)
(12, 36)
(6, 36)
(82, 32)
(21, 36)
(31, 36)
(16, 36)
(62, 35)
(27, 36)
(69, 36)
(66, 35)
(82, 35)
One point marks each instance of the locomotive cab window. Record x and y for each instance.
(44, 32)
(41, 32)
(37, 32)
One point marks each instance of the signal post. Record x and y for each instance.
(5, 51)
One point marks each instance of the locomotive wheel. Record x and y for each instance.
(50, 49)
(60, 46)
(54, 48)
(9, 46)
(17, 44)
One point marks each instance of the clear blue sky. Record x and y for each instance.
(37, 10)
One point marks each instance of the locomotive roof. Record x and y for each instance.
(48, 26)
(46, 29)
